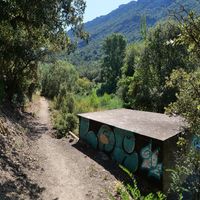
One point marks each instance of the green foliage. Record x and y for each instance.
(28, 31)
(84, 86)
(58, 77)
(185, 176)
(132, 192)
(92, 102)
(114, 50)
(131, 62)
(143, 27)
(189, 28)
(126, 20)
(65, 122)
(59, 81)
(188, 97)
(64, 118)
(71, 95)
(64, 101)
(133, 52)
(67, 105)
(146, 89)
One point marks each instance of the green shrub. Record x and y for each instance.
(105, 100)
(92, 102)
(65, 120)
(115, 102)
(65, 104)
(132, 192)
(65, 123)
(84, 86)
(56, 76)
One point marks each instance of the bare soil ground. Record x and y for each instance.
(67, 173)
(53, 169)
(15, 160)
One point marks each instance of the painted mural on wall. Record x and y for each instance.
(120, 145)
(150, 161)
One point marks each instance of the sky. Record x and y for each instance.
(96, 8)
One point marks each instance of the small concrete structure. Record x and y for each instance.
(143, 142)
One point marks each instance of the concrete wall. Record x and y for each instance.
(141, 155)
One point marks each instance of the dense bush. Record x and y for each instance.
(84, 86)
(28, 33)
(57, 75)
(132, 192)
(65, 122)
(114, 48)
(92, 102)
(59, 81)
(143, 80)
(71, 95)
(186, 174)
(64, 118)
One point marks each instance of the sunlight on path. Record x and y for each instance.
(65, 171)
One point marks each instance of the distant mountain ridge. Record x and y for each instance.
(126, 20)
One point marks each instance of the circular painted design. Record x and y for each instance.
(118, 137)
(92, 139)
(118, 155)
(106, 139)
(146, 152)
(131, 162)
(129, 143)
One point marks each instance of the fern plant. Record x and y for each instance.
(132, 192)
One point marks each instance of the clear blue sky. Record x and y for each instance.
(96, 8)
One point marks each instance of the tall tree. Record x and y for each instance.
(29, 30)
(143, 27)
(131, 62)
(189, 22)
(161, 55)
(114, 50)
(186, 174)
(57, 75)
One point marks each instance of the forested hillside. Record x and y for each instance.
(127, 21)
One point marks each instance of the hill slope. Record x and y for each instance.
(126, 20)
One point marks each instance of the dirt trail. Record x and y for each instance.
(67, 173)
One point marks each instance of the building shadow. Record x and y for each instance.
(103, 160)
(114, 168)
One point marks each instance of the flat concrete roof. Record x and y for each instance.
(153, 125)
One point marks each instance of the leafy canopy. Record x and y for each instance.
(114, 48)
(57, 77)
(146, 89)
(28, 31)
